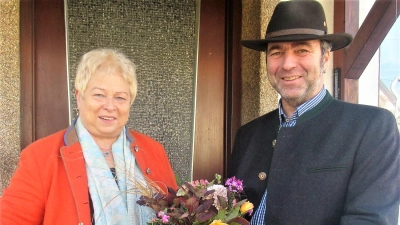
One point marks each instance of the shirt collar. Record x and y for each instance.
(300, 110)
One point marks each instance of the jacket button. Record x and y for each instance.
(262, 176)
(148, 171)
(136, 148)
(273, 143)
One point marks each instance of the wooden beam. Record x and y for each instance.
(369, 37)
(27, 77)
(44, 89)
(208, 151)
(233, 73)
(346, 14)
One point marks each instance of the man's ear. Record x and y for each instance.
(327, 57)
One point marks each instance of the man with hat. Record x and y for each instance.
(315, 160)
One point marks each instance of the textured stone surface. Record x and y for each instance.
(9, 90)
(258, 97)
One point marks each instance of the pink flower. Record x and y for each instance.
(199, 183)
(234, 185)
(234, 201)
(165, 219)
(160, 214)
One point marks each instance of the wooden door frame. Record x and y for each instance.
(219, 64)
(43, 69)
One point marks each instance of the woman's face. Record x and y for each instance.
(104, 107)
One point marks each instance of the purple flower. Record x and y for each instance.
(250, 212)
(234, 185)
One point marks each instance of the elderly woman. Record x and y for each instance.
(94, 171)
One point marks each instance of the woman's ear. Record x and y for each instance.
(78, 97)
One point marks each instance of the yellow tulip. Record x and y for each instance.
(218, 222)
(246, 207)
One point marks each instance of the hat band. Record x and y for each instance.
(294, 31)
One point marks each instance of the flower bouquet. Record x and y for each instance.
(200, 203)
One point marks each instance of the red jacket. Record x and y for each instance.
(50, 185)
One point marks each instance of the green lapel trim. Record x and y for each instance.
(317, 109)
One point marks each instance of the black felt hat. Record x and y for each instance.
(298, 20)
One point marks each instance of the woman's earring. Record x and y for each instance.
(77, 112)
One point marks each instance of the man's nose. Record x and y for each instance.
(289, 61)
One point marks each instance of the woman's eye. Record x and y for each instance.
(121, 98)
(98, 95)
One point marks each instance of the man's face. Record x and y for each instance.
(295, 70)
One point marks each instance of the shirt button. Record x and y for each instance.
(287, 120)
(262, 176)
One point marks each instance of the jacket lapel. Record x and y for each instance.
(74, 164)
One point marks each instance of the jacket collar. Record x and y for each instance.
(321, 106)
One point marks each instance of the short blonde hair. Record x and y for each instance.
(110, 60)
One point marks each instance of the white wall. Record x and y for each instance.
(368, 84)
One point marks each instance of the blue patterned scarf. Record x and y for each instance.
(114, 204)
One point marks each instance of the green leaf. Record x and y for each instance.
(222, 202)
(218, 177)
(221, 215)
(234, 213)
(241, 203)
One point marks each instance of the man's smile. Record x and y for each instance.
(290, 78)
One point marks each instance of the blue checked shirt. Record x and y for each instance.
(258, 218)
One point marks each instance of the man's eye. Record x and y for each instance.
(302, 51)
(99, 95)
(275, 53)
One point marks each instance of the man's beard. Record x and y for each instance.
(307, 93)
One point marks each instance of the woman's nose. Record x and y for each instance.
(109, 104)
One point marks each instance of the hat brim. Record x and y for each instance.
(338, 41)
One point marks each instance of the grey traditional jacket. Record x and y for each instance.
(338, 165)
